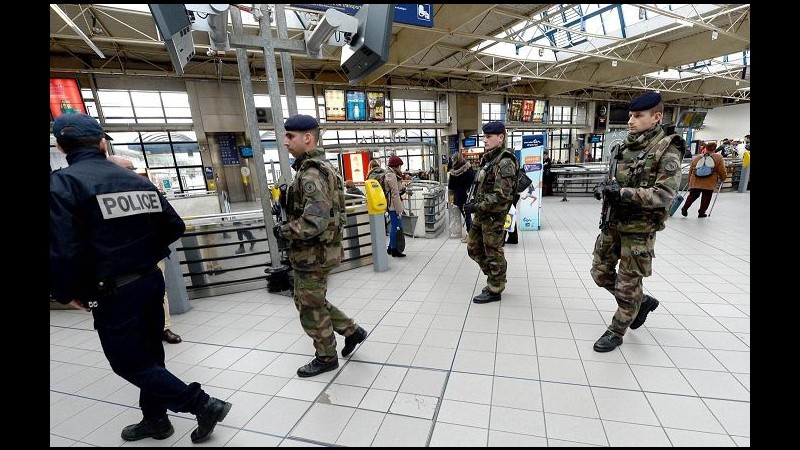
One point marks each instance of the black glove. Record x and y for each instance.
(470, 208)
(598, 190)
(277, 231)
(611, 191)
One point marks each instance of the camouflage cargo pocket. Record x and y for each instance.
(641, 253)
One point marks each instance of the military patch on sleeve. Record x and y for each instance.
(507, 170)
(309, 187)
(671, 166)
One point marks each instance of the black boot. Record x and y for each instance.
(156, 429)
(317, 366)
(388, 250)
(648, 305)
(354, 339)
(396, 253)
(486, 296)
(607, 342)
(212, 412)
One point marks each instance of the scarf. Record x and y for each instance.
(639, 141)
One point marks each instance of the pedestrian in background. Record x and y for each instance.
(395, 203)
(167, 336)
(704, 186)
(316, 217)
(460, 177)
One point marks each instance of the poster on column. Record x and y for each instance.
(530, 203)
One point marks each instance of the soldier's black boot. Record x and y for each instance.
(317, 366)
(388, 250)
(486, 296)
(212, 412)
(396, 253)
(354, 339)
(648, 304)
(155, 428)
(607, 342)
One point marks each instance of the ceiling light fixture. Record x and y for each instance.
(541, 52)
(613, 63)
(642, 13)
(515, 79)
(714, 35)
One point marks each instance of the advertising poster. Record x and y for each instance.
(65, 97)
(538, 111)
(356, 105)
(530, 203)
(527, 110)
(356, 166)
(515, 110)
(334, 105)
(375, 103)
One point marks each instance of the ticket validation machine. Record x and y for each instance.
(376, 207)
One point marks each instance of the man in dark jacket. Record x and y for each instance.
(108, 229)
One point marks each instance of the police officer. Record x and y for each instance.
(316, 217)
(640, 194)
(108, 229)
(493, 193)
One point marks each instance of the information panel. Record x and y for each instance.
(228, 152)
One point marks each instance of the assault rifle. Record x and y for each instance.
(605, 212)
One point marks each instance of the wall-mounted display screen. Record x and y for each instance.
(334, 105)
(356, 105)
(526, 110)
(618, 114)
(65, 97)
(469, 142)
(691, 119)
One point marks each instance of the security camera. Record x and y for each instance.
(331, 22)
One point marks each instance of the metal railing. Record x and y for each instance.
(226, 253)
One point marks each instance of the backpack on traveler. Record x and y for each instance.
(705, 166)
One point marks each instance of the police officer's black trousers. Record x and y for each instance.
(130, 322)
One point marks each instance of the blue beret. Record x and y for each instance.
(494, 128)
(645, 102)
(77, 125)
(300, 122)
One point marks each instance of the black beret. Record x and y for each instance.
(77, 125)
(645, 102)
(494, 128)
(300, 122)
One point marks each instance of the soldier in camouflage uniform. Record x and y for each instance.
(492, 193)
(316, 217)
(644, 184)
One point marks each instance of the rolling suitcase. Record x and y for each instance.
(676, 203)
(678, 200)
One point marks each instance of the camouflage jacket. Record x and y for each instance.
(495, 188)
(650, 178)
(316, 214)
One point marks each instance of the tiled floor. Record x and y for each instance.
(438, 370)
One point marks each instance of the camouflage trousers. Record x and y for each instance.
(635, 254)
(485, 247)
(319, 318)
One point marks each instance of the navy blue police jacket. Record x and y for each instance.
(105, 222)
